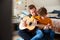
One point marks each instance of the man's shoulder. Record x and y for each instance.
(26, 17)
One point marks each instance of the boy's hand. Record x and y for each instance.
(46, 28)
(50, 27)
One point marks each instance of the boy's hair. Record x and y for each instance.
(42, 11)
(31, 6)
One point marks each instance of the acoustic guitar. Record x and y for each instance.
(31, 23)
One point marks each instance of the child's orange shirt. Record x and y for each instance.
(44, 21)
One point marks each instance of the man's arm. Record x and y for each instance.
(22, 25)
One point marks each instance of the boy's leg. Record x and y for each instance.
(52, 35)
(45, 32)
(38, 35)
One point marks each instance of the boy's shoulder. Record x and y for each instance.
(49, 18)
(37, 16)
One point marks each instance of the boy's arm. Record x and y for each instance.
(51, 23)
(41, 26)
(52, 26)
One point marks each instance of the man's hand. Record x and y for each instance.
(25, 24)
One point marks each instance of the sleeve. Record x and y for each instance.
(51, 23)
(21, 25)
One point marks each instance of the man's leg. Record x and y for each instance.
(24, 35)
(45, 32)
(38, 35)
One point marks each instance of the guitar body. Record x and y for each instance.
(30, 22)
(30, 27)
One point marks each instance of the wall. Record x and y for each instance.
(49, 4)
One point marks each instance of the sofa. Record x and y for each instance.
(56, 24)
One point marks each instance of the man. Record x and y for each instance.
(27, 34)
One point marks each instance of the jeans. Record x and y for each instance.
(48, 33)
(25, 34)
(38, 35)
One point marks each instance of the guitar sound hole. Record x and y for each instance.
(30, 23)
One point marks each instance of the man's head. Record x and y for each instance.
(42, 11)
(32, 9)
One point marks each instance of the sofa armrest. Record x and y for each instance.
(56, 23)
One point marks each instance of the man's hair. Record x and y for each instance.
(42, 11)
(31, 6)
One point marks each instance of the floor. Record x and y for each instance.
(17, 37)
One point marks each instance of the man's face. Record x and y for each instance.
(33, 11)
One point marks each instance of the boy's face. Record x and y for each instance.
(33, 11)
(45, 15)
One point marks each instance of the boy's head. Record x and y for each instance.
(42, 11)
(32, 9)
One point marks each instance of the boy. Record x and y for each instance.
(43, 19)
